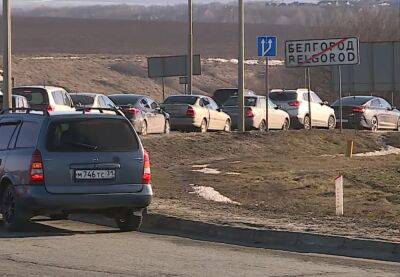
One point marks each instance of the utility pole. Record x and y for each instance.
(7, 97)
(190, 47)
(241, 123)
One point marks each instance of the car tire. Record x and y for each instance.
(307, 122)
(167, 127)
(129, 222)
(203, 127)
(60, 216)
(331, 123)
(286, 125)
(13, 218)
(374, 124)
(262, 127)
(227, 126)
(143, 130)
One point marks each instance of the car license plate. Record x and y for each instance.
(343, 120)
(95, 174)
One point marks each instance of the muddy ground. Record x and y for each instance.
(282, 180)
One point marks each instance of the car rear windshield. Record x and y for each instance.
(283, 96)
(352, 101)
(82, 100)
(91, 135)
(124, 100)
(248, 102)
(35, 96)
(190, 100)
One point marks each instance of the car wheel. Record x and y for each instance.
(60, 216)
(227, 127)
(286, 125)
(263, 126)
(307, 122)
(203, 127)
(129, 222)
(12, 217)
(143, 131)
(167, 127)
(331, 123)
(374, 124)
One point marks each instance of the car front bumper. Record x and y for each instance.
(36, 200)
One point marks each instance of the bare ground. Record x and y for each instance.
(283, 180)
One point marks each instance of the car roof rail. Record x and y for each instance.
(26, 110)
(84, 110)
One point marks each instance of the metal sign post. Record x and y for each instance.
(267, 47)
(241, 124)
(163, 88)
(190, 47)
(7, 99)
(309, 97)
(267, 90)
(340, 99)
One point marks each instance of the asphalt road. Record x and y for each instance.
(67, 248)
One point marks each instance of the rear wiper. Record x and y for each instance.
(84, 145)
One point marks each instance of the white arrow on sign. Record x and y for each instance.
(263, 43)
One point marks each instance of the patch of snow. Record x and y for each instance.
(232, 173)
(211, 194)
(200, 165)
(388, 150)
(207, 170)
(248, 62)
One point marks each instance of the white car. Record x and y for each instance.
(52, 99)
(296, 104)
(92, 100)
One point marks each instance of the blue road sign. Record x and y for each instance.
(267, 46)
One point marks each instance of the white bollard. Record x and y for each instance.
(339, 195)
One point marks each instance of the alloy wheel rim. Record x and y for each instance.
(8, 206)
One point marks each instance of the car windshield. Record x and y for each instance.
(88, 135)
(124, 100)
(352, 101)
(190, 100)
(82, 100)
(248, 102)
(35, 96)
(283, 96)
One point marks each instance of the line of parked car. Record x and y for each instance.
(286, 109)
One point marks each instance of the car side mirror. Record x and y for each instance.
(219, 109)
(324, 103)
(278, 107)
(394, 108)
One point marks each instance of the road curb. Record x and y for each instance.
(263, 238)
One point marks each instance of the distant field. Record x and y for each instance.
(102, 36)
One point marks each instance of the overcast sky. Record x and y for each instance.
(30, 3)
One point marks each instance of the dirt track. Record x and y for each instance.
(282, 180)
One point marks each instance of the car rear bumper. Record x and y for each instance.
(184, 122)
(354, 122)
(35, 200)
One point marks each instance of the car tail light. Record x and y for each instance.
(190, 112)
(36, 173)
(132, 111)
(294, 104)
(249, 112)
(50, 108)
(358, 110)
(146, 179)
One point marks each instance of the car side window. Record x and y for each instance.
(201, 102)
(108, 102)
(154, 105)
(58, 98)
(101, 103)
(212, 105)
(385, 104)
(66, 98)
(6, 133)
(28, 135)
(315, 98)
(375, 103)
(305, 97)
(144, 103)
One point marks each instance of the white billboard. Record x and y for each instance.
(322, 52)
